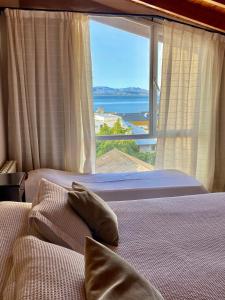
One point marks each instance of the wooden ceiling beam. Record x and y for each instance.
(71, 5)
(10, 3)
(205, 12)
(210, 13)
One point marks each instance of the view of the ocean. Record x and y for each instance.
(122, 104)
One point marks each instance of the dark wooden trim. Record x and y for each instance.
(62, 5)
(199, 12)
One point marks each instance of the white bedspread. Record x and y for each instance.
(121, 186)
(13, 224)
(178, 244)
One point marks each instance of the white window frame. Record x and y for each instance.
(139, 28)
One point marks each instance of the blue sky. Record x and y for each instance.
(119, 59)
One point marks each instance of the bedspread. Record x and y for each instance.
(177, 243)
(121, 186)
(13, 224)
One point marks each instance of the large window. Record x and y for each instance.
(126, 85)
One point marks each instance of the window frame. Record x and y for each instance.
(126, 24)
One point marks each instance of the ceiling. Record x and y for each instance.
(206, 13)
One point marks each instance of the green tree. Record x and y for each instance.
(128, 146)
(116, 129)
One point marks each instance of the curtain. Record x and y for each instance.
(219, 179)
(50, 114)
(191, 80)
(3, 90)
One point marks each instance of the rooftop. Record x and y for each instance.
(118, 161)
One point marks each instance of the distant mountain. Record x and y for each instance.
(129, 91)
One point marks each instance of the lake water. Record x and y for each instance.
(122, 104)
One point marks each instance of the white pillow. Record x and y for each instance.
(44, 271)
(54, 219)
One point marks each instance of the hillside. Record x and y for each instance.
(129, 91)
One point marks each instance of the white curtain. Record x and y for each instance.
(219, 180)
(50, 115)
(191, 79)
(3, 91)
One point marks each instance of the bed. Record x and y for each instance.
(121, 186)
(177, 243)
(13, 224)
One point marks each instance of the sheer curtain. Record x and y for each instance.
(191, 79)
(3, 95)
(219, 180)
(50, 115)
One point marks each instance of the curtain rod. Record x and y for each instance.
(114, 14)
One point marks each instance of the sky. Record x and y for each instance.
(119, 58)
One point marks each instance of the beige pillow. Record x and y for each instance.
(96, 213)
(109, 277)
(44, 271)
(54, 219)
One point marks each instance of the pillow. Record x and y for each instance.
(54, 219)
(44, 271)
(109, 277)
(96, 213)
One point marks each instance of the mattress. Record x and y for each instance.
(121, 186)
(178, 244)
(13, 224)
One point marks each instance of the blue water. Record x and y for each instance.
(122, 104)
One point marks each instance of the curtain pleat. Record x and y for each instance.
(3, 90)
(51, 121)
(219, 178)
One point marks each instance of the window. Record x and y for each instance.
(126, 86)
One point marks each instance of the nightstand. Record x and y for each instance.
(12, 187)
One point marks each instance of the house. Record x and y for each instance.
(108, 119)
(116, 161)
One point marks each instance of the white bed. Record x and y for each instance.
(177, 244)
(13, 224)
(121, 186)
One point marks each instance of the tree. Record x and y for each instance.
(128, 146)
(116, 129)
